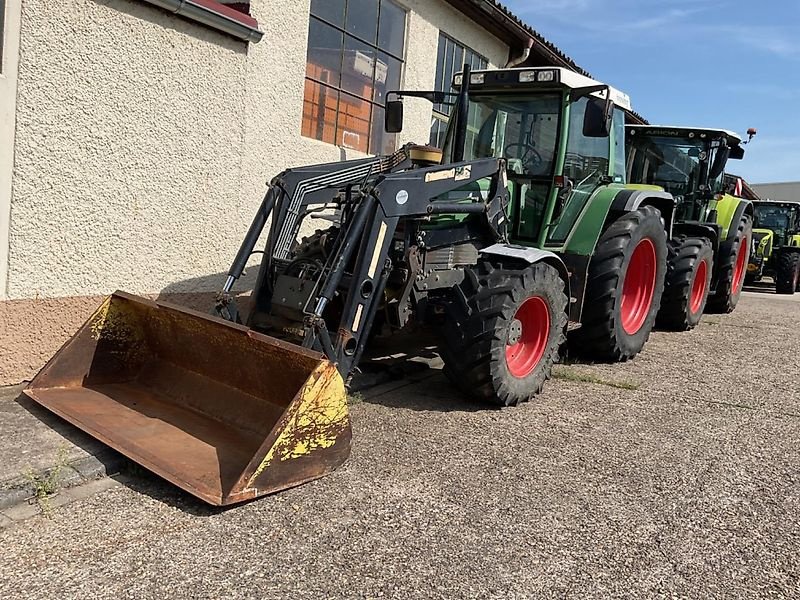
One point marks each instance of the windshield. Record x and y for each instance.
(522, 129)
(678, 165)
(775, 218)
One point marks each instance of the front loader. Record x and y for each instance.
(519, 229)
(712, 229)
(776, 245)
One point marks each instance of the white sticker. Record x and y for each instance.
(401, 197)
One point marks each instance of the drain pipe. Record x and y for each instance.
(526, 52)
(215, 15)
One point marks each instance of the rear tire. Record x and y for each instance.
(504, 330)
(732, 268)
(687, 283)
(623, 293)
(787, 272)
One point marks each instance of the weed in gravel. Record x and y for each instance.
(46, 485)
(355, 398)
(567, 374)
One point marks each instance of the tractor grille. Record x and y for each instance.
(451, 256)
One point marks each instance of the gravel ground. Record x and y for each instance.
(688, 485)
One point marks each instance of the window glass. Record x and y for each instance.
(358, 68)
(450, 59)
(392, 28)
(619, 145)
(362, 19)
(324, 55)
(329, 10)
(320, 104)
(353, 123)
(354, 58)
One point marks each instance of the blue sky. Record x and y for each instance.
(732, 64)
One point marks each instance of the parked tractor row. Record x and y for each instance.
(776, 245)
(530, 231)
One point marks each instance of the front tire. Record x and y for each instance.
(624, 287)
(687, 283)
(504, 330)
(787, 272)
(732, 268)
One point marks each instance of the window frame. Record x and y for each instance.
(375, 144)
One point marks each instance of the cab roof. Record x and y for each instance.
(670, 130)
(561, 78)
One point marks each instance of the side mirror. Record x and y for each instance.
(737, 153)
(597, 118)
(393, 117)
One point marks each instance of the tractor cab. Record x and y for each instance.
(780, 218)
(560, 133)
(688, 162)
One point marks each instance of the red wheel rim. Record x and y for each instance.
(638, 287)
(738, 271)
(699, 286)
(524, 354)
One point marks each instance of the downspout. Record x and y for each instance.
(526, 52)
(215, 15)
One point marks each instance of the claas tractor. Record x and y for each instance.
(517, 231)
(776, 245)
(712, 229)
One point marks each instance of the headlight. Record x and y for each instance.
(457, 80)
(477, 78)
(527, 76)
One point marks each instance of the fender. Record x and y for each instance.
(695, 229)
(533, 256)
(630, 199)
(730, 210)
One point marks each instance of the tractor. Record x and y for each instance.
(776, 245)
(519, 230)
(712, 229)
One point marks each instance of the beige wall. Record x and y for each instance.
(8, 101)
(143, 145)
(130, 125)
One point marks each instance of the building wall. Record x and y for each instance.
(143, 145)
(787, 191)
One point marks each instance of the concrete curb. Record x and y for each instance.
(73, 473)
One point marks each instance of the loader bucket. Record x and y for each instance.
(219, 410)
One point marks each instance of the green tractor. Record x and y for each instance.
(776, 245)
(518, 230)
(712, 229)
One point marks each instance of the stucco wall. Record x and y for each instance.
(143, 145)
(144, 141)
(129, 145)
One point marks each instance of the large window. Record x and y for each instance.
(355, 56)
(450, 59)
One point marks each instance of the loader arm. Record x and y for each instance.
(360, 268)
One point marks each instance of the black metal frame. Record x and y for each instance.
(375, 195)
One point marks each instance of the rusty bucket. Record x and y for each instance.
(219, 410)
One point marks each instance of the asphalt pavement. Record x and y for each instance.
(675, 474)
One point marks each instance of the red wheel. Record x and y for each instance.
(528, 335)
(699, 287)
(741, 262)
(639, 286)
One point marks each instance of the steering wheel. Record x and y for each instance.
(530, 156)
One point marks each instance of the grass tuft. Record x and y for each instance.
(567, 374)
(355, 398)
(46, 485)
